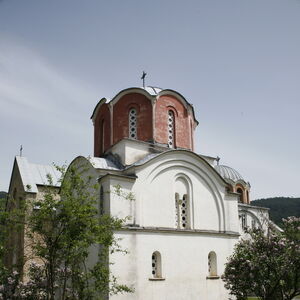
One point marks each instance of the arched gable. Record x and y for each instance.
(102, 130)
(252, 215)
(184, 163)
(164, 105)
(182, 99)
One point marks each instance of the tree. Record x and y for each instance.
(63, 229)
(267, 266)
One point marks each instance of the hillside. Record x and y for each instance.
(3, 195)
(280, 207)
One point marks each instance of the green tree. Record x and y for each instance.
(267, 266)
(63, 228)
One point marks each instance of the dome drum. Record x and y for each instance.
(152, 115)
(236, 182)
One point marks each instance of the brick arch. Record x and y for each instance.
(102, 130)
(244, 191)
(173, 109)
(182, 125)
(144, 117)
(131, 105)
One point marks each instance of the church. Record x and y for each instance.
(187, 211)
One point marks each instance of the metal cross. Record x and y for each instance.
(21, 149)
(143, 78)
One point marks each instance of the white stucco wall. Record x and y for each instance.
(184, 265)
(129, 150)
(255, 217)
(155, 189)
(184, 253)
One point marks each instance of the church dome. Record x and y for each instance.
(150, 114)
(153, 90)
(229, 173)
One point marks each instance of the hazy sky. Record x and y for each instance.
(236, 61)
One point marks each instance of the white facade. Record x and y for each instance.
(187, 211)
(191, 254)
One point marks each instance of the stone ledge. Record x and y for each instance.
(136, 228)
(213, 277)
(157, 279)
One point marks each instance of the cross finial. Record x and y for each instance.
(218, 159)
(143, 78)
(21, 149)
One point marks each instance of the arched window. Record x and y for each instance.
(156, 265)
(171, 129)
(182, 212)
(244, 221)
(184, 218)
(177, 210)
(182, 204)
(132, 123)
(253, 223)
(212, 264)
(241, 195)
(101, 202)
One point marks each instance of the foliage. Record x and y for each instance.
(63, 228)
(3, 196)
(267, 266)
(280, 207)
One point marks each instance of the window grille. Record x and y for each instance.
(212, 264)
(171, 129)
(177, 210)
(133, 123)
(181, 211)
(184, 216)
(156, 265)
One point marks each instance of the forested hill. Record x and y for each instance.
(3, 195)
(280, 207)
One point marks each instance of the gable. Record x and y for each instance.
(156, 189)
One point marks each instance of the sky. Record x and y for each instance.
(236, 61)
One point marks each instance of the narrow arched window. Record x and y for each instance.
(244, 221)
(253, 223)
(101, 202)
(171, 129)
(177, 208)
(182, 204)
(156, 265)
(184, 212)
(132, 123)
(241, 195)
(212, 264)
